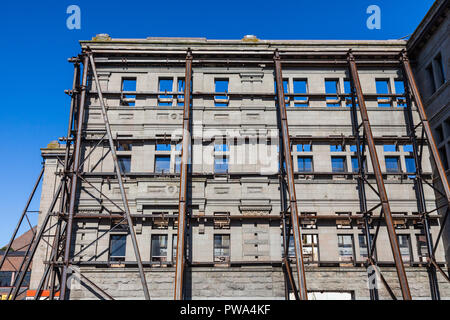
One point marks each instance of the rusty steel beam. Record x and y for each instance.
(295, 224)
(425, 124)
(379, 180)
(24, 213)
(119, 179)
(74, 181)
(182, 201)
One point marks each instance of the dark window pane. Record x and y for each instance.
(162, 164)
(338, 164)
(408, 148)
(400, 89)
(337, 148)
(117, 247)
(304, 164)
(159, 247)
(304, 148)
(392, 164)
(5, 278)
(129, 84)
(124, 163)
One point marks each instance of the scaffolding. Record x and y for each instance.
(58, 268)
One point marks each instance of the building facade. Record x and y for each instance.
(429, 46)
(234, 235)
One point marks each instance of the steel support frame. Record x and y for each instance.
(412, 94)
(385, 206)
(184, 171)
(360, 154)
(77, 107)
(286, 149)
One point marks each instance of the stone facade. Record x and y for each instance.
(245, 262)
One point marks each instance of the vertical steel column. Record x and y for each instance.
(295, 223)
(74, 181)
(182, 202)
(418, 182)
(65, 191)
(361, 187)
(379, 179)
(119, 178)
(426, 125)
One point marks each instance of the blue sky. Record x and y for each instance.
(36, 44)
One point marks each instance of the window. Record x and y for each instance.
(332, 87)
(439, 68)
(221, 86)
(220, 164)
(400, 89)
(6, 278)
(163, 147)
(405, 247)
(180, 88)
(221, 147)
(304, 148)
(354, 149)
(444, 159)
(363, 245)
(162, 164)
(392, 164)
(165, 85)
(390, 148)
(177, 164)
(124, 146)
(338, 164)
(410, 164)
(439, 134)
(305, 164)
(355, 164)
(408, 148)
(345, 248)
(301, 87)
(117, 247)
(310, 247)
(431, 81)
(128, 85)
(348, 90)
(382, 86)
(221, 248)
(286, 90)
(159, 248)
(337, 148)
(124, 163)
(174, 247)
(422, 248)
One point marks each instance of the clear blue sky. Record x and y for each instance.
(36, 44)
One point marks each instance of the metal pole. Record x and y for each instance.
(119, 179)
(74, 182)
(66, 192)
(24, 212)
(361, 189)
(37, 238)
(420, 195)
(303, 294)
(379, 179)
(182, 203)
(426, 125)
